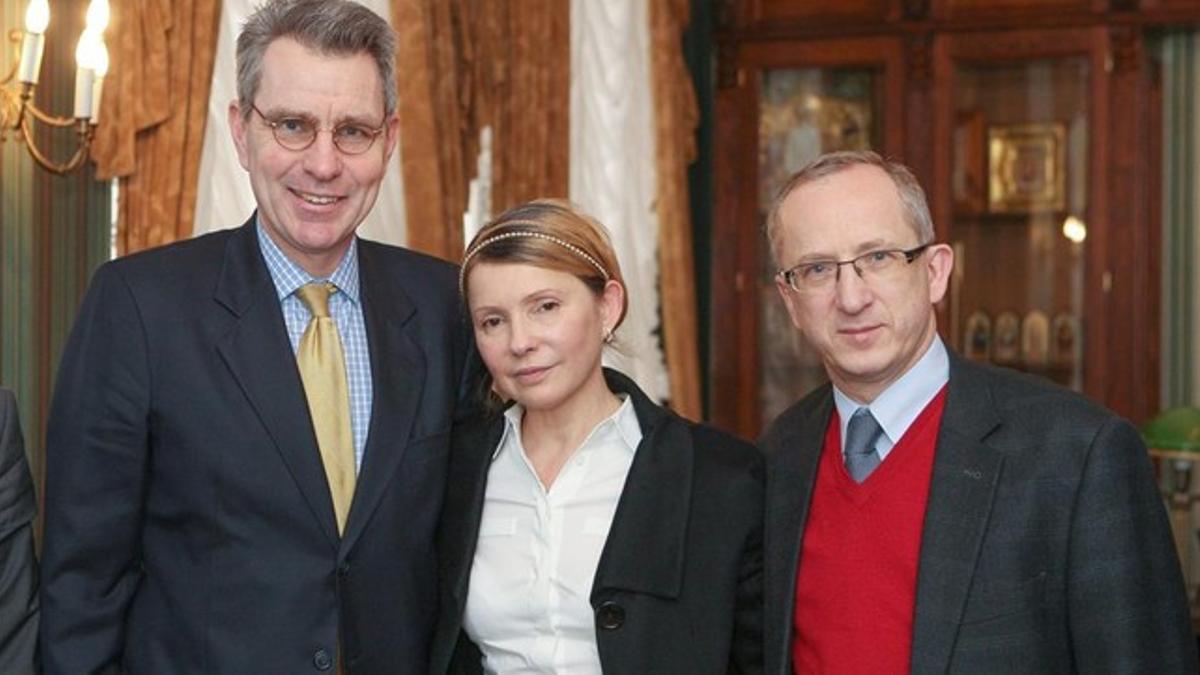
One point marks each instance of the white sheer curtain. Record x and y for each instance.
(223, 198)
(612, 166)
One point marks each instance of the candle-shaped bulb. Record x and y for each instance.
(86, 59)
(100, 71)
(33, 42)
(100, 61)
(37, 16)
(97, 15)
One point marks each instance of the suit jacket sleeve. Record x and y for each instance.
(747, 645)
(96, 464)
(18, 569)
(1126, 602)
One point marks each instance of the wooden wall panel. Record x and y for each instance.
(859, 11)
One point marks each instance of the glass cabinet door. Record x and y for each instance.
(1019, 214)
(803, 113)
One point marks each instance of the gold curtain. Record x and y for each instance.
(152, 116)
(464, 65)
(676, 117)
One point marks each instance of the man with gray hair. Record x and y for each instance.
(247, 447)
(927, 514)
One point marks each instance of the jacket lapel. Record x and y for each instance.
(257, 353)
(470, 460)
(965, 474)
(794, 455)
(397, 376)
(652, 513)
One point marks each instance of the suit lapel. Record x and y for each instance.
(794, 455)
(965, 474)
(652, 513)
(257, 353)
(397, 376)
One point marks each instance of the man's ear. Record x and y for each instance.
(939, 264)
(390, 134)
(237, 129)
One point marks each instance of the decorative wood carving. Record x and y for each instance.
(918, 55)
(916, 10)
(727, 64)
(1127, 48)
(726, 14)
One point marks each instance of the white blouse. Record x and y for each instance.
(527, 607)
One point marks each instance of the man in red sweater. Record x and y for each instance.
(929, 514)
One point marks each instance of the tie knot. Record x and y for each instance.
(315, 297)
(862, 432)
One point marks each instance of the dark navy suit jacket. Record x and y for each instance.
(189, 525)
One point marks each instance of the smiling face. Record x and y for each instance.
(311, 201)
(868, 333)
(540, 332)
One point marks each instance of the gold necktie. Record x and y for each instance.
(323, 371)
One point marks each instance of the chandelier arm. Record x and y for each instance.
(47, 118)
(46, 163)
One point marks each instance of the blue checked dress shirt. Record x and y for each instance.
(345, 306)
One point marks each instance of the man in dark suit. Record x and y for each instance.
(248, 441)
(18, 568)
(972, 520)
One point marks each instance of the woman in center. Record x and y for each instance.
(586, 529)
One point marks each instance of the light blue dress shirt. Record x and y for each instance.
(345, 307)
(899, 405)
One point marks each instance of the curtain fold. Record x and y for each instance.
(677, 116)
(1181, 217)
(467, 65)
(151, 127)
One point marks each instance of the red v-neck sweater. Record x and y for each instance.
(857, 577)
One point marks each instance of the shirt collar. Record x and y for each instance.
(289, 276)
(897, 406)
(621, 425)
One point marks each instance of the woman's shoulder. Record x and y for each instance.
(714, 446)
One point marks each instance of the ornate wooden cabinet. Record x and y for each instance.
(1034, 126)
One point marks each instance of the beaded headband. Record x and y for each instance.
(525, 234)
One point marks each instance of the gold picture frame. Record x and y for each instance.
(1027, 168)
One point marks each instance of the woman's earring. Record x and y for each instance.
(608, 336)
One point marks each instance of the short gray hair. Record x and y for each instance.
(912, 197)
(334, 27)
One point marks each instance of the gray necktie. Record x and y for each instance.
(861, 434)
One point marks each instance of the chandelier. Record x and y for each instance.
(17, 109)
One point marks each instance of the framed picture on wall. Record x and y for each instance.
(1027, 168)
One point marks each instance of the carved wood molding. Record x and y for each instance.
(916, 10)
(1128, 47)
(727, 64)
(918, 57)
(726, 14)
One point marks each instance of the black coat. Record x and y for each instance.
(678, 587)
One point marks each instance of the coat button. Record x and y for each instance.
(344, 569)
(610, 615)
(322, 660)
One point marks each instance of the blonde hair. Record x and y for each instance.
(552, 234)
